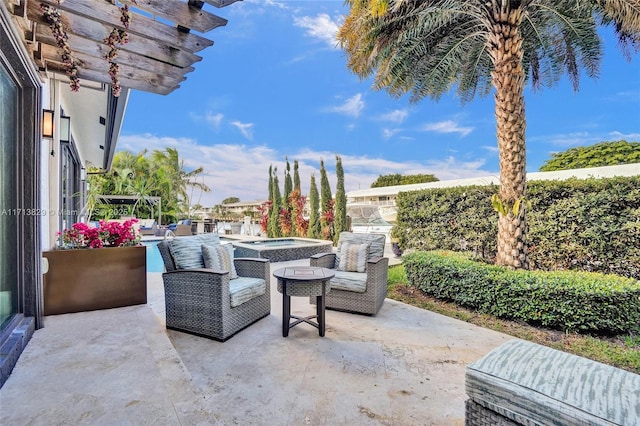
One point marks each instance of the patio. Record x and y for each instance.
(403, 367)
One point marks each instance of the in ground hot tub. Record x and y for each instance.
(281, 249)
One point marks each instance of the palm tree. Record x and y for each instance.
(176, 179)
(429, 47)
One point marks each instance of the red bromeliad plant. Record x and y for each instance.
(264, 214)
(108, 234)
(326, 220)
(297, 202)
(285, 221)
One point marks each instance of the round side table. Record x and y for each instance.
(303, 281)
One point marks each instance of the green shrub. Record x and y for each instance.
(577, 224)
(566, 300)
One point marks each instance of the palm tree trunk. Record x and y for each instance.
(505, 47)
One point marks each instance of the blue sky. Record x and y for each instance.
(275, 85)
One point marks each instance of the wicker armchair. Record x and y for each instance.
(198, 300)
(375, 276)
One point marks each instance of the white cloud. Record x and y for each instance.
(389, 133)
(352, 107)
(630, 137)
(245, 128)
(491, 148)
(447, 126)
(214, 119)
(396, 116)
(569, 140)
(242, 171)
(320, 27)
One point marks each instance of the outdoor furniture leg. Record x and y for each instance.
(320, 311)
(286, 309)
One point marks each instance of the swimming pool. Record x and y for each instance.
(154, 260)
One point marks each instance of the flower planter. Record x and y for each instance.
(90, 279)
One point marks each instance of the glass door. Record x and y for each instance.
(9, 211)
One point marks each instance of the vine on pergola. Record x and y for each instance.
(117, 36)
(52, 16)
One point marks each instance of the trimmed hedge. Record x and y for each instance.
(576, 224)
(566, 300)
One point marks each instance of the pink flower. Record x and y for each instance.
(108, 234)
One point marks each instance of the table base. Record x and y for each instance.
(319, 316)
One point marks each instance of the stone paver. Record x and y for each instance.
(404, 366)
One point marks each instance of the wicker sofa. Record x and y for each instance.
(523, 383)
(370, 289)
(201, 301)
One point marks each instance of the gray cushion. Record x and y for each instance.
(219, 257)
(353, 257)
(376, 241)
(243, 289)
(349, 281)
(187, 252)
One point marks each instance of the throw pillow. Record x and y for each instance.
(186, 253)
(353, 257)
(220, 257)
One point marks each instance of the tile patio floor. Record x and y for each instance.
(122, 367)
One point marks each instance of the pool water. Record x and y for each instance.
(154, 260)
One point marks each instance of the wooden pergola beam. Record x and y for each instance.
(180, 13)
(161, 47)
(103, 77)
(100, 65)
(140, 25)
(96, 31)
(97, 51)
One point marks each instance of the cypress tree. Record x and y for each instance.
(326, 202)
(314, 214)
(288, 185)
(325, 189)
(271, 183)
(266, 214)
(274, 215)
(296, 176)
(340, 223)
(285, 206)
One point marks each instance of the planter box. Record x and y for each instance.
(90, 279)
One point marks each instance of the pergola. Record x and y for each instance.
(161, 47)
(131, 200)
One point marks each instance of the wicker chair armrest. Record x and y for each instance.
(199, 270)
(323, 260)
(378, 265)
(252, 267)
(211, 281)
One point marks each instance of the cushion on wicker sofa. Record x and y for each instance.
(532, 384)
(353, 257)
(350, 281)
(219, 257)
(187, 252)
(243, 289)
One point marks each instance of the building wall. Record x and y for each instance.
(16, 331)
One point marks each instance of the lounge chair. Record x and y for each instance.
(212, 302)
(360, 282)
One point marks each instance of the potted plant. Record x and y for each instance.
(96, 268)
(395, 241)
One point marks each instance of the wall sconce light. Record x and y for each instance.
(65, 128)
(83, 174)
(47, 123)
